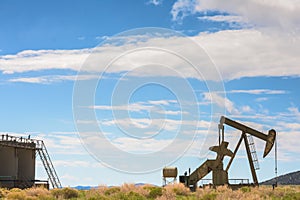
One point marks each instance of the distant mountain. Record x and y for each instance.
(140, 184)
(287, 179)
(80, 187)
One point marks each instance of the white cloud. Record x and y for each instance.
(145, 123)
(140, 146)
(53, 79)
(251, 53)
(261, 99)
(268, 13)
(258, 91)
(35, 60)
(63, 143)
(70, 178)
(288, 145)
(254, 92)
(77, 163)
(247, 109)
(294, 111)
(259, 116)
(183, 8)
(158, 106)
(24, 135)
(155, 2)
(168, 124)
(237, 54)
(223, 18)
(102, 37)
(136, 107)
(171, 112)
(162, 102)
(81, 38)
(220, 100)
(31, 80)
(289, 126)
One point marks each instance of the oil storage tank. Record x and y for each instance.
(170, 172)
(17, 158)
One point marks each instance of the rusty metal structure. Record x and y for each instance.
(18, 159)
(216, 166)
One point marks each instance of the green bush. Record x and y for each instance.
(245, 189)
(210, 196)
(56, 192)
(112, 190)
(65, 193)
(69, 193)
(155, 192)
(98, 197)
(44, 197)
(292, 196)
(126, 196)
(186, 198)
(180, 191)
(135, 196)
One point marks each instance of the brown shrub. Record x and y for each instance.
(37, 191)
(167, 195)
(112, 190)
(65, 193)
(17, 194)
(170, 192)
(128, 187)
(97, 193)
(178, 189)
(3, 192)
(201, 192)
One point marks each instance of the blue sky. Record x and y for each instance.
(115, 100)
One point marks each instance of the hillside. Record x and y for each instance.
(287, 179)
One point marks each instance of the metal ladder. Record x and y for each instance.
(43, 153)
(253, 151)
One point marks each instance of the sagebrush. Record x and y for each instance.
(169, 192)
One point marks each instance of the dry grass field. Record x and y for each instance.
(170, 192)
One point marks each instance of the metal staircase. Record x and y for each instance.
(253, 152)
(43, 153)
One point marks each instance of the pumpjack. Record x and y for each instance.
(219, 174)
